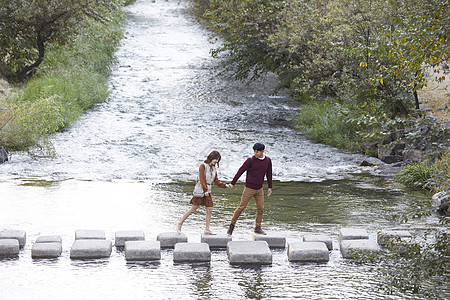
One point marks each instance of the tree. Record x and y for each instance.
(413, 36)
(244, 26)
(28, 26)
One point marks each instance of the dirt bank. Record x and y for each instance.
(436, 97)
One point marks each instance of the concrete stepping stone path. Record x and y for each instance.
(9, 247)
(169, 239)
(216, 241)
(19, 235)
(91, 248)
(353, 234)
(308, 252)
(128, 235)
(273, 241)
(83, 234)
(47, 247)
(385, 235)
(142, 250)
(191, 252)
(349, 247)
(249, 252)
(319, 238)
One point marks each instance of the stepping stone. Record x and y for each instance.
(349, 247)
(272, 240)
(142, 250)
(49, 239)
(353, 234)
(169, 239)
(47, 246)
(9, 247)
(249, 252)
(129, 235)
(319, 238)
(191, 252)
(46, 250)
(83, 234)
(91, 249)
(385, 235)
(19, 235)
(308, 252)
(216, 241)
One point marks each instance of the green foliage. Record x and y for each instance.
(434, 176)
(419, 265)
(440, 180)
(31, 123)
(415, 175)
(244, 26)
(370, 51)
(27, 27)
(72, 79)
(324, 123)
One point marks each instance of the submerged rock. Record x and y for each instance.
(441, 201)
(3, 155)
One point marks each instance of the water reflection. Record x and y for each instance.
(201, 279)
(251, 281)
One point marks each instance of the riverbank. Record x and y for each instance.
(72, 78)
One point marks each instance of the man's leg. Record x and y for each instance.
(247, 194)
(259, 199)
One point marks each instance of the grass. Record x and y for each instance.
(71, 80)
(322, 122)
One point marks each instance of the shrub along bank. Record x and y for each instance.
(71, 79)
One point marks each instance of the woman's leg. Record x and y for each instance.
(208, 219)
(185, 216)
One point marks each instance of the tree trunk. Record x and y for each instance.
(28, 71)
(416, 97)
(401, 107)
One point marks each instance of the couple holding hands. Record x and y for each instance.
(258, 166)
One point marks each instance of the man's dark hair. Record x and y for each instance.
(258, 147)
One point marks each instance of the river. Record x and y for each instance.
(130, 164)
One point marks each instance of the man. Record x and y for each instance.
(257, 167)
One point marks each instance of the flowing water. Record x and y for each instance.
(130, 164)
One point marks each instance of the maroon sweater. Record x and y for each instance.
(255, 178)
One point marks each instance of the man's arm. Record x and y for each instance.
(269, 177)
(241, 171)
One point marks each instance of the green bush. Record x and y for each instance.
(324, 122)
(415, 175)
(71, 80)
(30, 123)
(433, 176)
(419, 267)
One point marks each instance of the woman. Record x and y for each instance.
(202, 191)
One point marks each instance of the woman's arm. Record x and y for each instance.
(219, 183)
(202, 177)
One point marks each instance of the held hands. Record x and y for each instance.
(230, 186)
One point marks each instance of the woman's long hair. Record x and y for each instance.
(213, 155)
